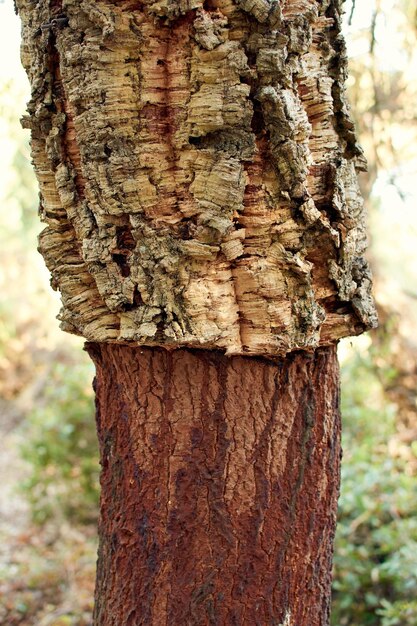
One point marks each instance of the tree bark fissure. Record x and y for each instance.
(219, 487)
(217, 138)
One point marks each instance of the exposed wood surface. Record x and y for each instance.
(220, 478)
(197, 167)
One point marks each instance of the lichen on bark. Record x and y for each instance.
(197, 167)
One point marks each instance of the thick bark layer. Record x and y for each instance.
(220, 479)
(197, 167)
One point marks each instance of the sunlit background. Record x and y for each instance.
(48, 465)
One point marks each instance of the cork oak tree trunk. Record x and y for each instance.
(197, 168)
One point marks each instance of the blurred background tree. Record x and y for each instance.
(376, 549)
(48, 474)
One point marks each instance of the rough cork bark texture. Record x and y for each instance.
(220, 478)
(197, 166)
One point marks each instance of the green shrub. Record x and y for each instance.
(376, 542)
(61, 447)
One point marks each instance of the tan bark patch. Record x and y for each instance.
(216, 142)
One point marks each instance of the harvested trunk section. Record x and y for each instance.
(220, 479)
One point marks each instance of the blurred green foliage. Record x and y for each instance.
(376, 544)
(61, 447)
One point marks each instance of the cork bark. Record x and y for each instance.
(197, 167)
(219, 487)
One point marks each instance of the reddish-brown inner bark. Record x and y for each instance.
(220, 478)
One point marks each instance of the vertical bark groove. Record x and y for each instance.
(220, 479)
